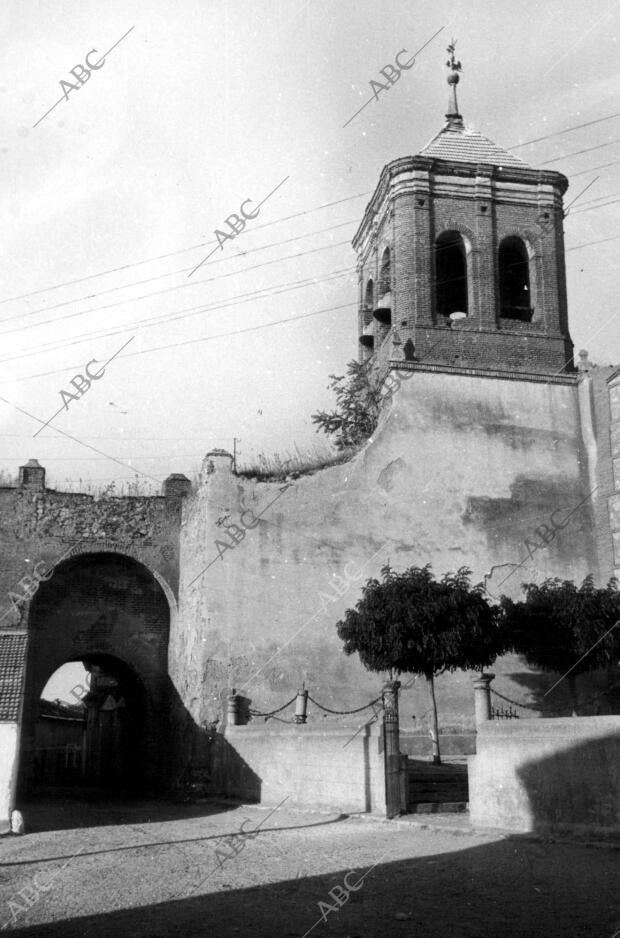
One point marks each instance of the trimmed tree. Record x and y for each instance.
(564, 628)
(412, 623)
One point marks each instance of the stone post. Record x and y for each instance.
(233, 708)
(32, 476)
(391, 738)
(482, 697)
(301, 706)
(176, 486)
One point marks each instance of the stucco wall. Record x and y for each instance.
(557, 775)
(461, 471)
(9, 739)
(323, 768)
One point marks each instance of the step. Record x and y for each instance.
(432, 794)
(437, 807)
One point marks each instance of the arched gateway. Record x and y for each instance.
(110, 612)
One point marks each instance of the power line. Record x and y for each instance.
(567, 156)
(77, 440)
(607, 195)
(187, 312)
(219, 335)
(130, 456)
(588, 243)
(137, 283)
(208, 338)
(558, 133)
(593, 169)
(578, 196)
(183, 286)
(589, 208)
(193, 247)
(223, 335)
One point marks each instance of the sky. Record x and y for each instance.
(114, 197)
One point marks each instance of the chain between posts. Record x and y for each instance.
(257, 713)
(271, 713)
(345, 712)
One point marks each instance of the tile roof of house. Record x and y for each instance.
(464, 145)
(12, 661)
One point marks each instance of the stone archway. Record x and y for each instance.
(109, 611)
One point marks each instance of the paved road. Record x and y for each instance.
(156, 869)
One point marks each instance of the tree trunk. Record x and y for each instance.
(435, 729)
(572, 685)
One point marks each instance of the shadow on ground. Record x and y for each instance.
(511, 888)
(66, 810)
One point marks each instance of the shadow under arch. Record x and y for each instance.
(104, 607)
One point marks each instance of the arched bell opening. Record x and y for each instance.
(451, 293)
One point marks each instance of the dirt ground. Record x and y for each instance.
(156, 869)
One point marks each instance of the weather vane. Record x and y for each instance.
(452, 62)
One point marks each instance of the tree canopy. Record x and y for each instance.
(412, 623)
(562, 627)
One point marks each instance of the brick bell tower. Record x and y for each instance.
(461, 259)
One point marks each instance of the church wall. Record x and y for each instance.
(461, 471)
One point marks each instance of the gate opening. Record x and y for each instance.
(89, 729)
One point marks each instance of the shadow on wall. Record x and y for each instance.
(598, 692)
(576, 788)
(202, 763)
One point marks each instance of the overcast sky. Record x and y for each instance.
(203, 105)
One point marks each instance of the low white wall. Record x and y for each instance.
(336, 769)
(9, 741)
(548, 774)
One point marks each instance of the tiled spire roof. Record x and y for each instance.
(459, 143)
(464, 145)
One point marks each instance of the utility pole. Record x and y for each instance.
(235, 452)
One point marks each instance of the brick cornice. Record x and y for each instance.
(437, 167)
(570, 380)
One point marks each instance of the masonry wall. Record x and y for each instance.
(559, 775)
(43, 526)
(415, 202)
(461, 471)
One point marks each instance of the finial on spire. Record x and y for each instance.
(454, 118)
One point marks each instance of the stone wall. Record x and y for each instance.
(559, 775)
(44, 526)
